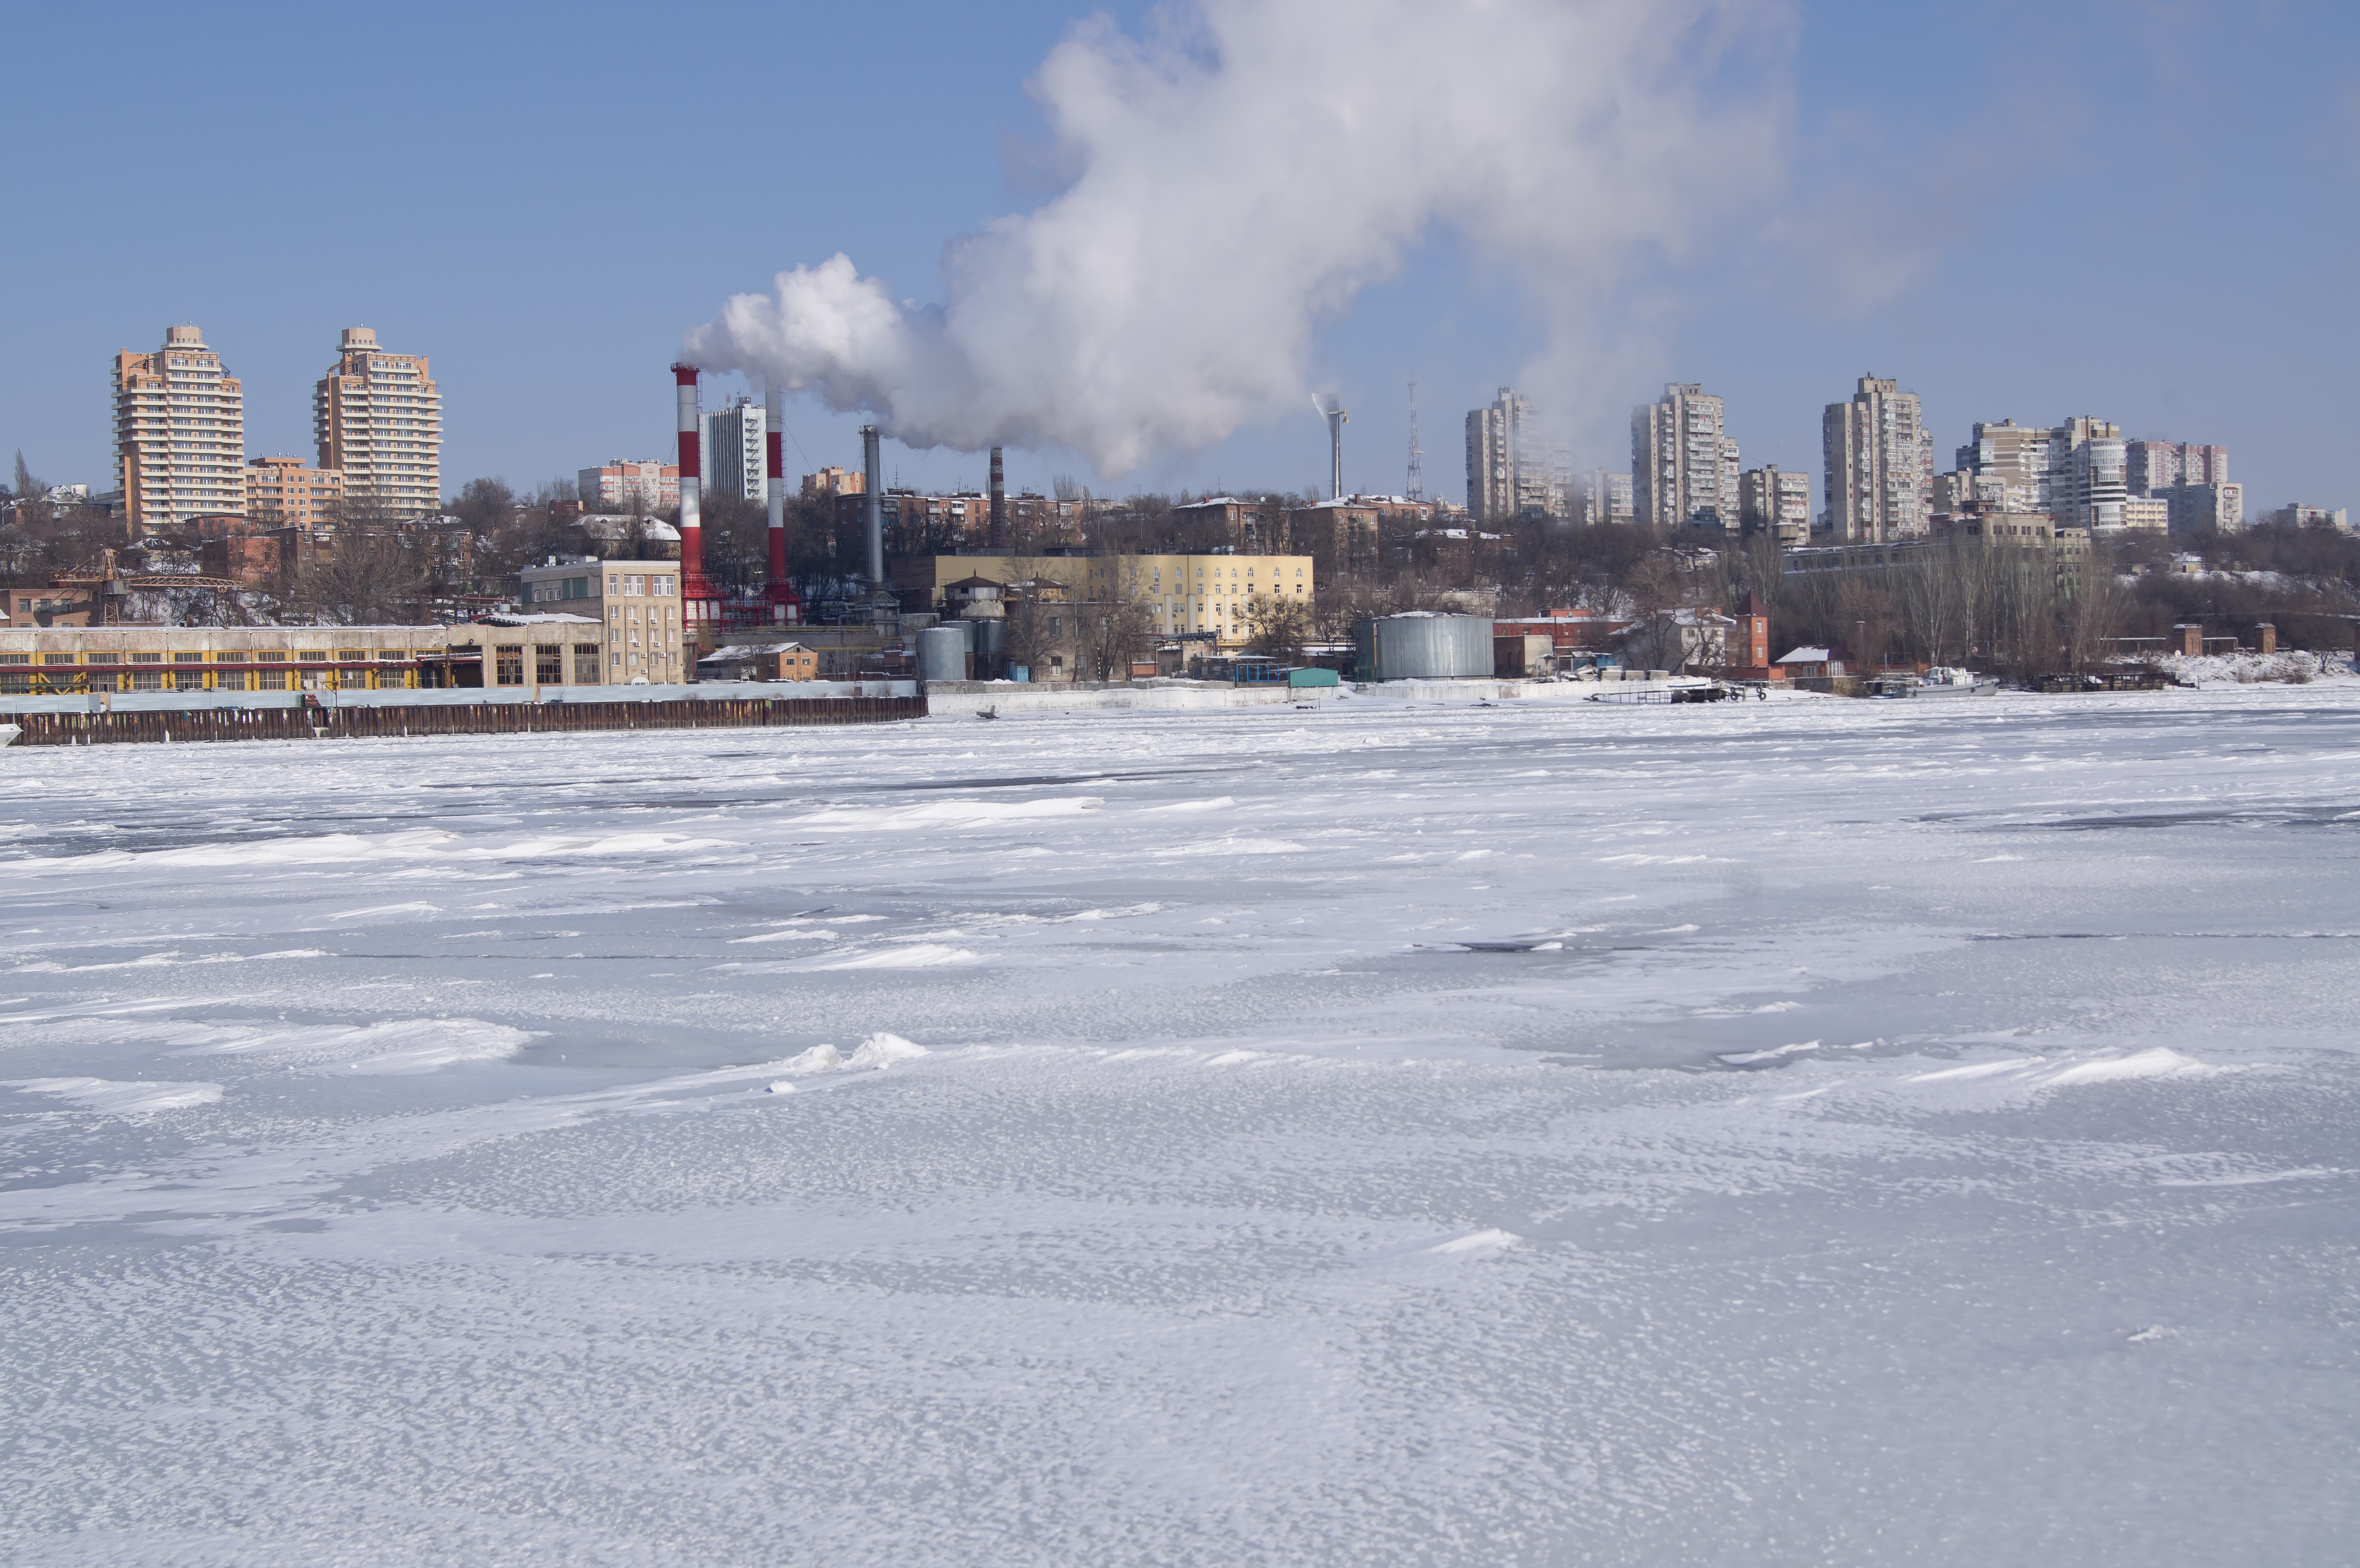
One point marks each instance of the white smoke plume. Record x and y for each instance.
(1243, 171)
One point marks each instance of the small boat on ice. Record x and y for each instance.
(1943, 681)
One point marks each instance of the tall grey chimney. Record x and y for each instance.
(999, 503)
(873, 506)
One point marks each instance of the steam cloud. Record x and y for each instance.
(1246, 169)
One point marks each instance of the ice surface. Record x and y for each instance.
(1798, 1133)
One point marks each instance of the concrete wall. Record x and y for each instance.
(1011, 699)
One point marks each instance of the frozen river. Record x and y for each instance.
(1803, 1132)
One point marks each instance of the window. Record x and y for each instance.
(509, 661)
(549, 663)
(393, 654)
(16, 658)
(57, 659)
(585, 663)
(273, 657)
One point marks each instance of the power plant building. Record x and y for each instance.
(377, 417)
(180, 434)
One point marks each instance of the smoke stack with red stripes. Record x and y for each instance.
(786, 605)
(696, 593)
(999, 503)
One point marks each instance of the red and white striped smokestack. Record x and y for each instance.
(694, 589)
(775, 492)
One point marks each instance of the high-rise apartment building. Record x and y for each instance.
(180, 434)
(736, 461)
(1604, 496)
(2010, 466)
(1775, 501)
(377, 418)
(281, 492)
(2088, 474)
(2206, 508)
(1513, 469)
(1880, 464)
(2153, 467)
(1684, 467)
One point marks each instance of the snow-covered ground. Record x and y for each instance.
(2247, 668)
(1395, 1132)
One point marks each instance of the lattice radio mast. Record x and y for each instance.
(1417, 457)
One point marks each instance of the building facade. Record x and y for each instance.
(1775, 501)
(616, 485)
(283, 492)
(629, 608)
(1684, 466)
(1880, 464)
(1206, 596)
(1514, 470)
(377, 418)
(1605, 495)
(736, 463)
(2206, 508)
(2089, 474)
(2153, 467)
(180, 434)
(2008, 467)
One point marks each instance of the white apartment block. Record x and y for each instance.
(614, 486)
(1879, 465)
(1684, 467)
(377, 418)
(736, 460)
(180, 434)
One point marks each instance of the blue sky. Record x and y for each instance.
(2144, 211)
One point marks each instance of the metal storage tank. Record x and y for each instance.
(1424, 646)
(942, 654)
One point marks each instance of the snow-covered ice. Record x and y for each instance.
(1410, 1133)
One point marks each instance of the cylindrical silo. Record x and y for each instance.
(1423, 646)
(942, 654)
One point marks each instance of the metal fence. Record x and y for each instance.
(477, 718)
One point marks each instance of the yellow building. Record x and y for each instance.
(280, 492)
(180, 434)
(638, 601)
(1184, 594)
(378, 419)
(515, 651)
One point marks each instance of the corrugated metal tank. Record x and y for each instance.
(1424, 646)
(943, 653)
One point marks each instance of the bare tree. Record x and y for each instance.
(1278, 626)
(365, 579)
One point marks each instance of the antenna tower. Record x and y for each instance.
(1417, 465)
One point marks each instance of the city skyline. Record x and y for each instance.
(587, 328)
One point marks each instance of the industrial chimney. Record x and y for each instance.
(999, 503)
(696, 593)
(1334, 415)
(873, 508)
